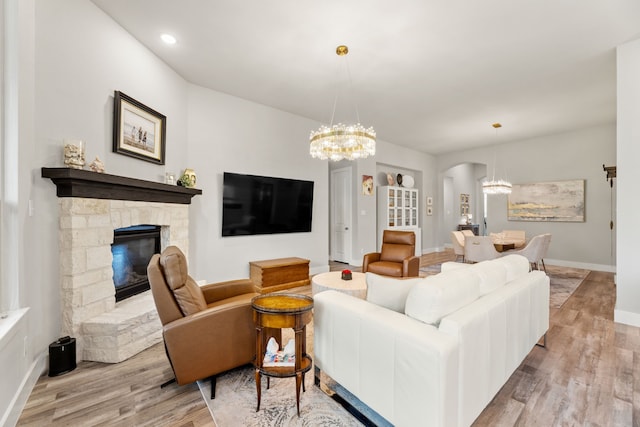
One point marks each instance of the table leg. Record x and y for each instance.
(258, 363)
(258, 388)
(300, 348)
(298, 381)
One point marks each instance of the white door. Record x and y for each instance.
(341, 215)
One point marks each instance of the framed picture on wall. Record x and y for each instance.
(138, 131)
(367, 185)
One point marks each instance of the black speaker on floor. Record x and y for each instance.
(62, 356)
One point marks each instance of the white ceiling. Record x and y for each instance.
(432, 75)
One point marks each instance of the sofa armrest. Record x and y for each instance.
(411, 267)
(403, 369)
(368, 259)
(218, 291)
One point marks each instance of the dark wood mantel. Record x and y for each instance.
(92, 185)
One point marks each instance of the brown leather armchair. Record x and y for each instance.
(207, 330)
(396, 257)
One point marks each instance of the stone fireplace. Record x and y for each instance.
(107, 331)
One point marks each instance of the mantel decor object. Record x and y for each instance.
(73, 153)
(97, 165)
(188, 178)
(138, 131)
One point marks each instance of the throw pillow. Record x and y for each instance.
(516, 266)
(442, 294)
(389, 292)
(452, 265)
(492, 274)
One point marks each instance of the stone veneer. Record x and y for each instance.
(107, 331)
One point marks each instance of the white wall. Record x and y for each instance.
(228, 134)
(573, 155)
(628, 233)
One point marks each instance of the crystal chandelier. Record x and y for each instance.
(494, 186)
(340, 141)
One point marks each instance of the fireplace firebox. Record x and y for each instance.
(132, 249)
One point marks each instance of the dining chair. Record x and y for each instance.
(479, 248)
(457, 239)
(534, 251)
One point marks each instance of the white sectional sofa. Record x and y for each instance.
(432, 351)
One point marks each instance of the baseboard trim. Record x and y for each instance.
(36, 370)
(626, 317)
(583, 265)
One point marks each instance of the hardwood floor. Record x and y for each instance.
(589, 375)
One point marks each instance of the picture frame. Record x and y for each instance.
(552, 201)
(367, 185)
(138, 131)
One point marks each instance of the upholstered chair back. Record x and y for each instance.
(175, 293)
(397, 245)
(457, 239)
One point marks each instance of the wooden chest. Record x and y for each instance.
(277, 274)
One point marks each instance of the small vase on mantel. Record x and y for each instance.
(188, 178)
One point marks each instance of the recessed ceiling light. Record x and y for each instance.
(168, 39)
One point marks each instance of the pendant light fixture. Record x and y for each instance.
(500, 186)
(339, 141)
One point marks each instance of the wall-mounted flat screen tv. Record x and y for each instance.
(265, 205)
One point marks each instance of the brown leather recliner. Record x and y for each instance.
(396, 257)
(207, 330)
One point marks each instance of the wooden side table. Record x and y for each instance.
(282, 311)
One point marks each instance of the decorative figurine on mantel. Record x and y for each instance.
(74, 153)
(188, 178)
(97, 165)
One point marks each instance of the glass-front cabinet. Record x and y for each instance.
(398, 208)
(400, 205)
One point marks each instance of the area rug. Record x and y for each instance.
(236, 400)
(563, 281)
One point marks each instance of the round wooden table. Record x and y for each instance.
(356, 287)
(282, 311)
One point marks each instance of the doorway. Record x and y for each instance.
(341, 215)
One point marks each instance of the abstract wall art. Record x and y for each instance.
(554, 201)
